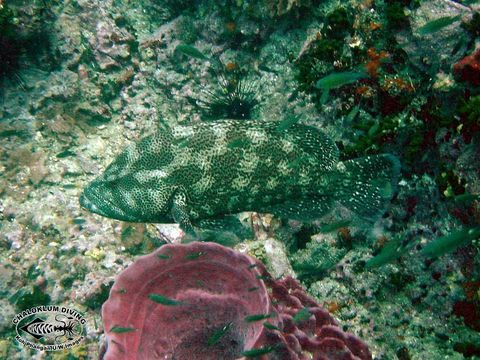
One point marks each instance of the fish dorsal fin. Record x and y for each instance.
(316, 143)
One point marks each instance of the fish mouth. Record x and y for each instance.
(96, 201)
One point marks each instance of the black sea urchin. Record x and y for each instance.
(10, 49)
(24, 46)
(234, 98)
(10, 52)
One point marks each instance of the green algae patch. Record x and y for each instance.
(24, 300)
(96, 301)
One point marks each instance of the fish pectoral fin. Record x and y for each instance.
(180, 213)
(304, 209)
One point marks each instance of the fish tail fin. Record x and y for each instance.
(367, 184)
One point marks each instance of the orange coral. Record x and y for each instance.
(398, 84)
(344, 233)
(382, 240)
(231, 26)
(375, 26)
(365, 91)
(332, 306)
(375, 61)
(230, 66)
(471, 289)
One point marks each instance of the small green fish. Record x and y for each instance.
(392, 250)
(338, 79)
(181, 143)
(353, 113)
(437, 24)
(335, 226)
(218, 334)
(262, 277)
(258, 317)
(194, 255)
(190, 51)
(79, 221)
(253, 289)
(10, 133)
(373, 129)
(163, 256)
(466, 198)
(160, 299)
(301, 316)
(259, 351)
(270, 326)
(121, 330)
(450, 242)
(65, 153)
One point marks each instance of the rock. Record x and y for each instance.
(111, 44)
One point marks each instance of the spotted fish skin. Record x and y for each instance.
(208, 170)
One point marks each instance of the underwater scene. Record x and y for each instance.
(235, 179)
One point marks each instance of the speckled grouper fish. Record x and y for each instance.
(191, 174)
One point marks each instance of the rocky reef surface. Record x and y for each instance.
(81, 79)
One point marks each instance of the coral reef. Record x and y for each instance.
(82, 79)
